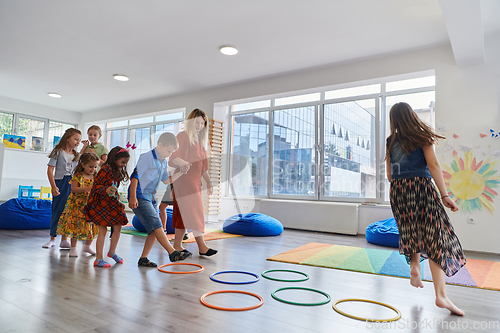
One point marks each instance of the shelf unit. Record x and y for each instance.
(211, 204)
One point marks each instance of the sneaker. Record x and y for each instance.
(116, 258)
(177, 255)
(209, 253)
(101, 263)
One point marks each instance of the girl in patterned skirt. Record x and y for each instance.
(425, 231)
(72, 222)
(104, 207)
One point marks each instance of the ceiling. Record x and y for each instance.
(169, 47)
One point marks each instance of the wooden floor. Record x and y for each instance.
(44, 290)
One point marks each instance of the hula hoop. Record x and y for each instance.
(181, 263)
(202, 300)
(298, 303)
(241, 272)
(285, 280)
(367, 301)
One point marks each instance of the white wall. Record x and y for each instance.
(25, 167)
(466, 103)
(32, 109)
(21, 167)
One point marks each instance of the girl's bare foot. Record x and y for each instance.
(444, 302)
(415, 279)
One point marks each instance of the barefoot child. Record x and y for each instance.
(104, 207)
(63, 159)
(150, 170)
(72, 222)
(425, 231)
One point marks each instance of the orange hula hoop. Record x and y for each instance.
(202, 300)
(181, 263)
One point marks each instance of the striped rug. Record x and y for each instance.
(476, 273)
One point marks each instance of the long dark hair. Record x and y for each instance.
(85, 159)
(409, 130)
(61, 145)
(117, 153)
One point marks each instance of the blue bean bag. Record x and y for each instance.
(383, 232)
(170, 227)
(24, 213)
(252, 224)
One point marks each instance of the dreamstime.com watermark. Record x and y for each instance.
(434, 323)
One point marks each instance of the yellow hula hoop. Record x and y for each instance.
(367, 301)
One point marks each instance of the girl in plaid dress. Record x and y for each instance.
(104, 207)
(425, 231)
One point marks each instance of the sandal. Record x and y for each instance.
(179, 255)
(146, 262)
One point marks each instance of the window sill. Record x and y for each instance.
(27, 150)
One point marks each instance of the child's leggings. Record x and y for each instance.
(58, 202)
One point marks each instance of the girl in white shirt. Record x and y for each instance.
(63, 160)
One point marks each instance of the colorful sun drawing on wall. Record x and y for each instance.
(470, 184)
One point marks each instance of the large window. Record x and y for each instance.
(323, 145)
(349, 159)
(143, 132)
(56, 131)
(250, 151)
(39, 133)
(141, 138)
(6, 120)
(294, 153)
(32, 129)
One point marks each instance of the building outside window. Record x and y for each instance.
(324, 145)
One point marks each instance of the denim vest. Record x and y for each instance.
(410, 165)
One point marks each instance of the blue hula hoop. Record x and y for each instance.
(240, 272)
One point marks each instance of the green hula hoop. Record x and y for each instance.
(298, 303)
(285, 280)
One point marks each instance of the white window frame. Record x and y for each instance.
(47, 121)
(378, 145)
(151, 125)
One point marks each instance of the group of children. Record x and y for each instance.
(85, 194)
(425, 231)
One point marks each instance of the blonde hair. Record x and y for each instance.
(409, 130)
(194, 137)
(61, 145)
(95, 127)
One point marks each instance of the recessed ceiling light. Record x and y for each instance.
(228, 50)
(120, 77)
(55, 95)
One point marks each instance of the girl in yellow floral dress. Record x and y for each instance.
(72, 222)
